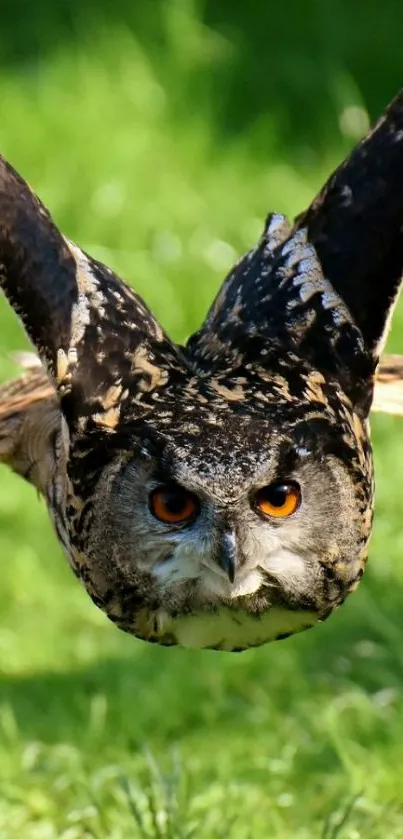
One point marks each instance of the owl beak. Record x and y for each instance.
(227, 556)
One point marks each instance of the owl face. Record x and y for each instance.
(231, 531)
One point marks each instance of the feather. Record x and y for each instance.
(388, 392)
(355, 224)
(93, 333)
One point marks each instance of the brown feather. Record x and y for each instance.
(29, 424)
(388, 394)
(30, 417)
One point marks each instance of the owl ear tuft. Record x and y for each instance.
(97, 339)
(325, 287)
(277, 302)
(240, 311)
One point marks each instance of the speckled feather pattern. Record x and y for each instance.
(277, 384)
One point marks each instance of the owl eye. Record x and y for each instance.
(173, 504)
(278, 500)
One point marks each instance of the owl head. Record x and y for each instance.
(219, 494)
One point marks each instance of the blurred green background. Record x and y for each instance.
(160, 134)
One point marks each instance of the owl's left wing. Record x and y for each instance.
(388, 391)
(326, 286)
(356, 226)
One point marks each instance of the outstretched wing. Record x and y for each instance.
(30, 421)
(99, 342)
(356, 226)
(340, 264)
(388, 392)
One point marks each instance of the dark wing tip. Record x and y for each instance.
(355, 223)
(37, 270)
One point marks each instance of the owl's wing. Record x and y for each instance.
(324, 287)
(100, 344)
(388, 392)
(356, 225)
(30, 420)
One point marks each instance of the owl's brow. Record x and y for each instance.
(285, 457)
(319, 437)
(310, 438)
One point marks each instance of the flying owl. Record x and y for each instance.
(218, 494)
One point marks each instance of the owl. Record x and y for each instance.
(217, 494)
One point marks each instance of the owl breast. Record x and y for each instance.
(226, 629)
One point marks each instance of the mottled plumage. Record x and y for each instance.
(272, 393)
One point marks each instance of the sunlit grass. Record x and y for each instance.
(100, 734)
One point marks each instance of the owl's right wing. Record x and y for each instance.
(102, 347)
(30, 426)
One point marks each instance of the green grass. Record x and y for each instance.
(101, 735)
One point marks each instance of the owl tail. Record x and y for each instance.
(388, 393)
(29, 425)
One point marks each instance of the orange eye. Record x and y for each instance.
(173, 504)
(278, 500)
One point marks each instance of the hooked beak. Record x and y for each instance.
(227, 555)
